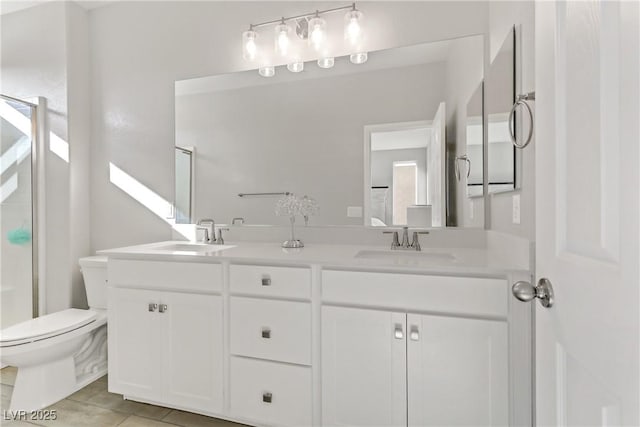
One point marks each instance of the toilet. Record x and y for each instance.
(59, 353)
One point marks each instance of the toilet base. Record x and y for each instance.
(42, 384)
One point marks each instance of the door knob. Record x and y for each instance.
(525, 291)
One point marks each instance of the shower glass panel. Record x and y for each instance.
(18, 282)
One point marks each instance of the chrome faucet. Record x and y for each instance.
(209, 227)
(415, 244)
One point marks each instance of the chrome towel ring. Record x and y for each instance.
(467, 160)
(521, 100)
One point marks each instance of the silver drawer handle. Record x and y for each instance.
(266, 333)
(266, 281)
(414, 334)
(398, 333)
(267, 397)
(163, 308)
(153, 307)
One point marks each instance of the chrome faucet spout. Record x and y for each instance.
(208, 225)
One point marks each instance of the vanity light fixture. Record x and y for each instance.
(268, 71)
(353, 27)
(317, 32)
(295, 67)
(327, 62)
(249, 46)
(358, 58)
(312, 28)
(282, 40)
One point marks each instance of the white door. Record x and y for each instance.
(457, 371)
(363, 367)
(587, 140)
(192, 350)
(135, 343)
(436, 190)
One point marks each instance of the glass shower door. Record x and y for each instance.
(18, 282)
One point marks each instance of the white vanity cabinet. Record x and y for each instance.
(392, 366)
(270, 344)
(165, 346)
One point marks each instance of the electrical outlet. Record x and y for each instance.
(354, 211)
(516, 209)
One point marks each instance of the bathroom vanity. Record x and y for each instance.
(327, 335)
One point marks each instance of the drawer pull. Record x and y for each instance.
(398, 333)
(414, 334)
(267, 397)
(153, 307)
(163, 308)
(266, 281)
(266, 333)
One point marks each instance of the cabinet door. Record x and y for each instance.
(192, 357)
(135, 344)
(457, 371)
(363, 367)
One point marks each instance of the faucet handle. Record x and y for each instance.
(414, 242)
(396, 242)
(220, 240)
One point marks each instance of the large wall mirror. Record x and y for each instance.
(366, 141)
(500, 95)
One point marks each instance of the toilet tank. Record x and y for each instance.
(94, 273)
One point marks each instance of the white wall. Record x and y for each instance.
(303, 136)
(502, 17)
(44, 53)
(140, 48)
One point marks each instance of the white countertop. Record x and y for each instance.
(459, 261)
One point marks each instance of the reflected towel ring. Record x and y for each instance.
(466, 159)
(521, 100)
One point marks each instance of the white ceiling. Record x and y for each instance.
(400, 139)
(16, 5)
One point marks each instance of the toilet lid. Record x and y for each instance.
(45, 326)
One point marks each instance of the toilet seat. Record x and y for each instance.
(46, 326)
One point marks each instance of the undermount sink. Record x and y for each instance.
(406, 255)
(192, 247)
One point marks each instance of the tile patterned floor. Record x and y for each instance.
(94, 406)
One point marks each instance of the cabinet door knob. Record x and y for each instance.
(415, 333)
(266, 281)
(266, 333)
(267, 397)
(397, 332)
(153, 306)
(163, 308)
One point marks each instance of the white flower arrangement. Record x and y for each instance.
(291, 206)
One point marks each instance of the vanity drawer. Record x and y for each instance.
(288, 282)
(269, 329)
(270, 393)
(415, 292)
(165, 275)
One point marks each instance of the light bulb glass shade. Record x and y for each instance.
(358, 58)
(268, 71)
(249, 46)
(317, 32)
(282, 40)
(353, 31)
(295, 67)
(326, 62)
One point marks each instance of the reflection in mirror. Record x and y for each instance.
(500, 95)
(183, 189)
(304, 133)
(471, 167)
(398, 172)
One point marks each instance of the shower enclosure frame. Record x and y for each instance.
(38, 136)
